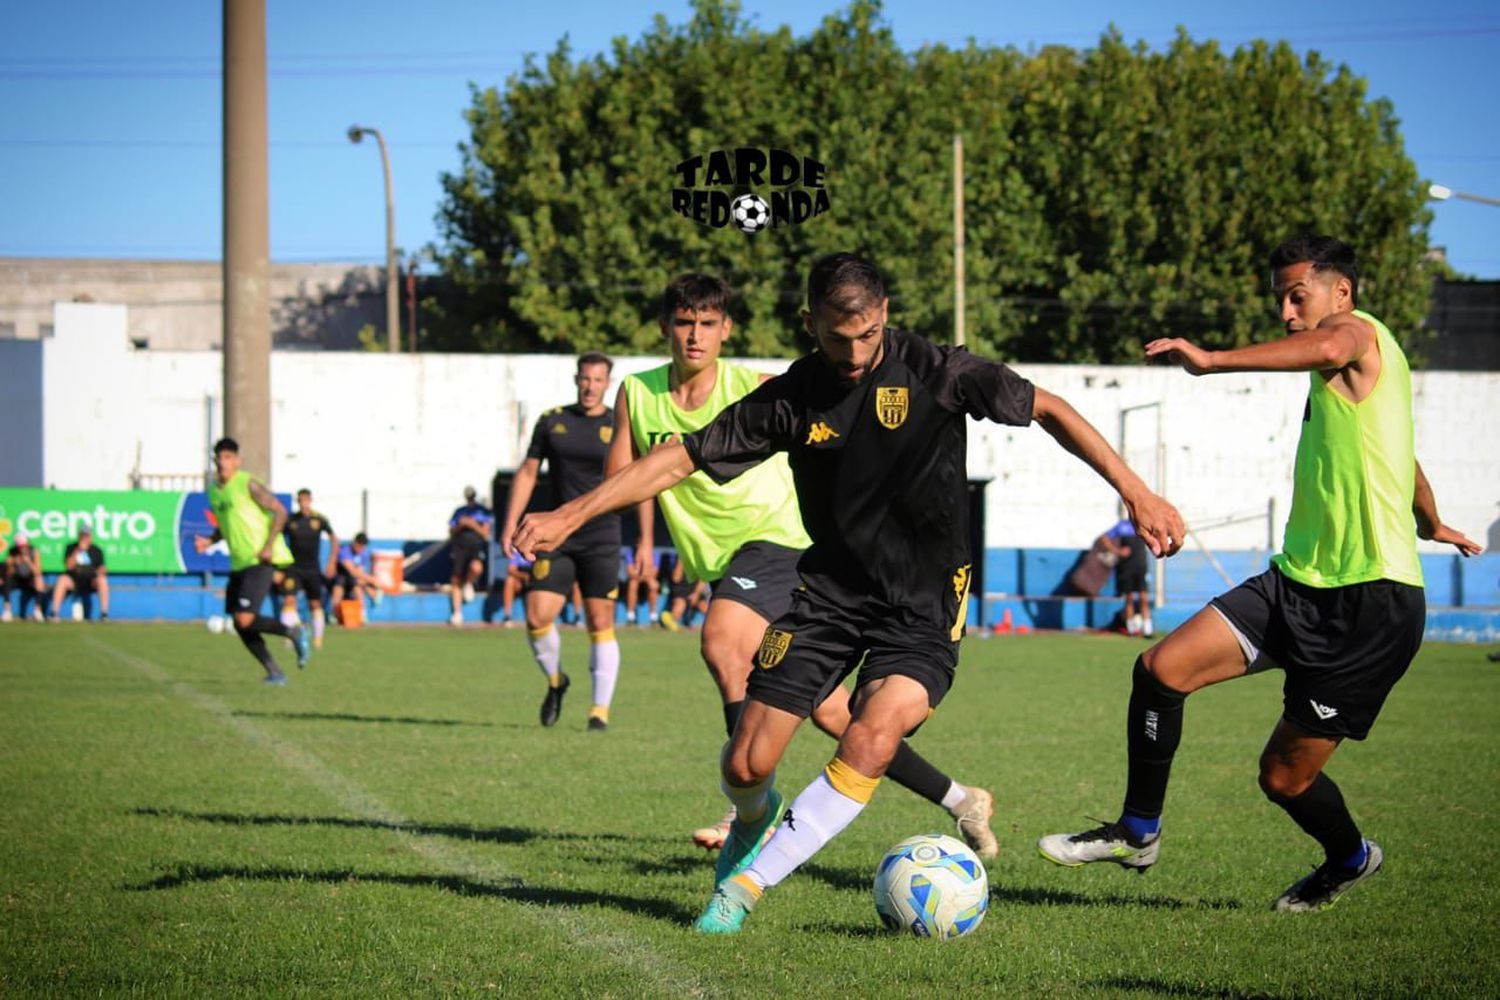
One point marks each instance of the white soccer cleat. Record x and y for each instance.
(973, 815)
(1326, 884)
(1108, 842)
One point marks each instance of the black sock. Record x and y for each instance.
(1154, 722)
(910, 769)
(266, 625)
(732, 712)
(1322, 815)
(257, 646)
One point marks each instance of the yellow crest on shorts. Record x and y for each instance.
(606, 434)
(891, 404)
(540, 569)
(772, 648)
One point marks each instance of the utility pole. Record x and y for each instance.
(246, 264)
(958, 240)
(392, 280)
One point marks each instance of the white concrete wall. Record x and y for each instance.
(414, 430)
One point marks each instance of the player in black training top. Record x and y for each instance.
(304, 533)
(873, 424)
(574, 442)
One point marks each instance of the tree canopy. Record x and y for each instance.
(1113, 194)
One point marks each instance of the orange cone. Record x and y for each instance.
(1005, 623)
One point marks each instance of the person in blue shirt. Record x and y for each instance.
(1130, 576)
(355, 578)
(469, 531)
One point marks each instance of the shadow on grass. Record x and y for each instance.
(459, 831)
(404, 720)
(680, 864)
(514, 890)
(1161, 987)
(1063, 897)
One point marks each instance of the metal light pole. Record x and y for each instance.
(392, 282)
(1438, 192)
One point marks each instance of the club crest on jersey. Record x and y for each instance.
(606, 434)
(559, 428)
(540, 569)
(891, 404)
(773, 647)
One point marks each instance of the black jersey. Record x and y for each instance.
(879, 465)
(304, 536)
(575, 447)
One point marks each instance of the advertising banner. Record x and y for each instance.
(139, 531)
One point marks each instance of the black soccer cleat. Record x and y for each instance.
(552, 704)
(1327, 883)
(597, 725)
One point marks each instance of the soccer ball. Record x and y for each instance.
(217, 623)
(933, 886)
(751, 213)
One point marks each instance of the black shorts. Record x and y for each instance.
(595, 566)
(466, 548)
(1343, 648)
(248, 589)
(84, 582)
(761, 576)
(827, 634)
(1130, 572)
(308, 579)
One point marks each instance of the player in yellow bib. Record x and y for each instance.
(744, 537)
(250, 519)
(1342, 609)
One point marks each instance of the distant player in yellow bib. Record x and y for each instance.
(250, 519)
(1342, 609)
(743, 537)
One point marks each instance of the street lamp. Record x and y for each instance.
(392, 288)
(1438, 192)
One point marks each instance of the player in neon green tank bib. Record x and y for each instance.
(1341, 611)
(250, 519)
(744, 537)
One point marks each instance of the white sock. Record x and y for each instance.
(319, 620)
(289, 617)
(815, 818)
(546, 646)
(604, 665)
(956, 794)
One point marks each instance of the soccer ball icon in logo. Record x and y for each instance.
(750, 212)
(933, 886)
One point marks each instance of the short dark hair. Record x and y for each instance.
(594, 358)
(304, 492)
(1324, 253)
(694, 292)
(361, 539)
(85, 530)
(226, 444)
(846, 282)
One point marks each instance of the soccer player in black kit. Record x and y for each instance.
(574, 442)
(304, 533)
(873, 423)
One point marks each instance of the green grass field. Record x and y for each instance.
(395, 822)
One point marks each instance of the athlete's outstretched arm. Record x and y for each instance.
(1431, 527)
(1156, 521)
(1335, 343)
(662, 469)
(622, 451)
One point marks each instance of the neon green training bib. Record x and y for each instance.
(243, 524)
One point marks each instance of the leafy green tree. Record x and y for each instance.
(1112, 194)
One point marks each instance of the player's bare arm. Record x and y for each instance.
(266, 501)
(664, 468)
(622, 451)
(1334, 344)
(1430, 526)
(1156, 521)
(521, 488)
(333, 554)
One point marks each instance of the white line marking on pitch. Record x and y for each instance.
(583, 929)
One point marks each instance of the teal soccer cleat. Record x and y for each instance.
(746, 839)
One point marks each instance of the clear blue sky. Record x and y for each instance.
(110, 112)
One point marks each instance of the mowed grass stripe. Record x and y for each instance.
(582, 929)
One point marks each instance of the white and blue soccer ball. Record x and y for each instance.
(217, 624)
(750, 212)
(933, 886)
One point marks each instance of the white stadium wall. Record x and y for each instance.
(389, 442)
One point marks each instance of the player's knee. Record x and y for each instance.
(1281, 783)
(739, 769)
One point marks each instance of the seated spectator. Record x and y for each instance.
(84, 575)
(355, 579)
(470, 530)
(23, 573)
(1130, 576)
(635, 582)
(687, 599)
